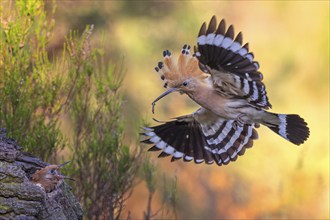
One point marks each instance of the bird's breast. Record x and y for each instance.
(212, 101)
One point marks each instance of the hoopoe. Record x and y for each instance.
(223, 78)
(49, 177)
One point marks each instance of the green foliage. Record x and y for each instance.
(78, 88)
(170, 195)
(149, 172)
(104, 165)
(168, 191)
(28, 85)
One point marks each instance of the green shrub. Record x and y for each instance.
(79, 87)
(101, 161)
(29, 85)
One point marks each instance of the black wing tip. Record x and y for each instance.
(230, 32)
(223, 50)
(212, 25)
(163, 154)
(246, 46)
(173, 134)
(154, 148)
(202, 31)
(222, 27)
(191, 143)
(239, 38)
(173, 159)
(147, 141)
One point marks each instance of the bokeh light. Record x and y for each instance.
(290, 40)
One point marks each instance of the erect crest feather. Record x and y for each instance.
(176, 70)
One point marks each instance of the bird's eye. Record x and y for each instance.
(185, 83)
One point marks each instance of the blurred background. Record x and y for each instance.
(290, 39)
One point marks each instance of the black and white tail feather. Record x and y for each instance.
(235, 74)
(220, 140)
(291, 127)
(205, 137)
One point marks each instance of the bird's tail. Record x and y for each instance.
(291, 127)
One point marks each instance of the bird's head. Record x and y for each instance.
(49, 176)
(180, 74)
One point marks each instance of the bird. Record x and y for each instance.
(49, 177)
(222, 77)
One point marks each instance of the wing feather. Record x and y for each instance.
(201, 137)
(230, 64)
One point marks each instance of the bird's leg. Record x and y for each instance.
(239, 121)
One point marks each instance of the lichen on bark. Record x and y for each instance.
(20, 198)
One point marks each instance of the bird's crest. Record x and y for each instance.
(175, 70)
(233, 101)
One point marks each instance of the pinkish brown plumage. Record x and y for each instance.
(223, 78)
(48, 177)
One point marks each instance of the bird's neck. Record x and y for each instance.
(206, 96)
(202, 90)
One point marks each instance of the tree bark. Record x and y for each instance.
(20, 198)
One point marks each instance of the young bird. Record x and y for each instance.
(48, 177)
(222, 77)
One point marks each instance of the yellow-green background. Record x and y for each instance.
(290, 39)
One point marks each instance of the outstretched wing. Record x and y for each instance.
(202, 137)
(234, 72)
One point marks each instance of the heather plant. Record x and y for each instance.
(79, 86)
(29, 85)
(167, 187)
(105, 165)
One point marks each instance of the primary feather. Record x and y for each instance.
(223, 78)
(233, 70)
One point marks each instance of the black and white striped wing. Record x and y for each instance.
(202, 137)
(231, 65)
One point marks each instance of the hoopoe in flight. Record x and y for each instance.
(222, 77)
(49, 177)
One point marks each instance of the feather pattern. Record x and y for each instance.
(231, 65)
(196, 137)
(223, 78)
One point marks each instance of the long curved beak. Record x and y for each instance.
(62, 176)
(63, 164)
(170, 90)
(69, 178)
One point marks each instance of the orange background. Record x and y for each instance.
(290, 40)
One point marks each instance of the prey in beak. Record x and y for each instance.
(170, 90)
